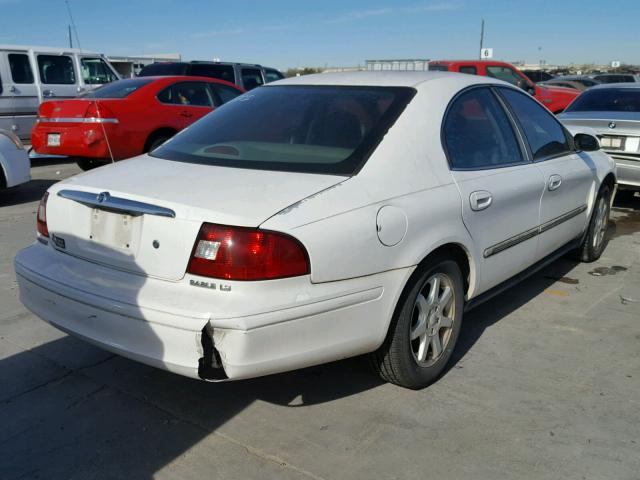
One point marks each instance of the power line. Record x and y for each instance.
(73, 24)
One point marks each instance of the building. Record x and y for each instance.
(401, 64)
(128, 67)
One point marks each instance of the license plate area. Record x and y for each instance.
(53, 140)
(113, 230)
(611, 142)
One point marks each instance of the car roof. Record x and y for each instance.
(603, 86)
(187, 78)
(388, 78)
(40, 49)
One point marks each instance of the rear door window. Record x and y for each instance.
(222, 72)
(478, 134)
(56, 70)
(195, 94)
(506, 74)
(95, 71)
(545, 135)
(20, 68)
(251, 78)
(470, 69)
(272, 75)
(223, 93)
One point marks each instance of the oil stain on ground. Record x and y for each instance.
(602, 271)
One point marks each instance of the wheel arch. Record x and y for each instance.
(158, 132)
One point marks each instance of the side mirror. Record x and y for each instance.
(586, 143)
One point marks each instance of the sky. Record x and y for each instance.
(290, 33)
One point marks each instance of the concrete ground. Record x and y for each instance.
(545, 384)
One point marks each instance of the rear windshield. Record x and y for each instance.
(119, 89)
(296, 128)
(607, 100)
(163, 69)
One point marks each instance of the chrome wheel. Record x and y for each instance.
(432, 319)
(602, 222)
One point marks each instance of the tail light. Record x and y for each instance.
(99, 113)
(237, 253)
(41, 217)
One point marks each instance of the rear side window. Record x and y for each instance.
(272, 75)
(478, 133)
(222, 72)
(506, 74)
(95, 71)
(56, 70)
(20, 68)
(544, 133)
(160, 69)
(251, 78)
(224, 93)
(119, 89)
(195, 94)
(470, 69)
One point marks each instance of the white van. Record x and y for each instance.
(29, 75)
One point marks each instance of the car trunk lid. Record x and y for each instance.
(143, 215)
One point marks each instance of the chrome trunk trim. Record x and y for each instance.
(105, 201)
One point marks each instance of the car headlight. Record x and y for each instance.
(13, 137)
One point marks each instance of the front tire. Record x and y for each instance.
(595, 239)
(425, 326)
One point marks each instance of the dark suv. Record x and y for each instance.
(245, 75)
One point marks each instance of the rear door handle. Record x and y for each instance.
(48, 93)
(480, 200)
(554, 182)
(184, 113)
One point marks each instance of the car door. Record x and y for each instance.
(186, 102)
(19, 101)
(223, 93)
(499, 187)
(58, 76)
(570, 176)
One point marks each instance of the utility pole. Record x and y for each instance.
(481, 39)
(70, 37)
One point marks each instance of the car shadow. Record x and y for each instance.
(27, 192)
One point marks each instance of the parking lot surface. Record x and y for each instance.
(545, 383)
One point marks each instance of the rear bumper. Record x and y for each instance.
(148, 319)
(628, 170)
(76, 140)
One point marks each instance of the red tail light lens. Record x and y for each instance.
(98, 110)
(236, 253)
(41, 217)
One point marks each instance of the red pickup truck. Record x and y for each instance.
(555, 99)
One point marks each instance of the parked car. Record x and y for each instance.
(616, 78)
(126, 118)
(537, 76)
(14, 161)
(318, 218)
(613, 112)
(245, 75)
(555, 99)
(59, 73)
(577, 83)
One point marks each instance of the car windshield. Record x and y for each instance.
(119, 89)
(296, 128)
(607, 100)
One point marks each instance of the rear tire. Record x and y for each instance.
(155, 142)
(595, 239)
(425, 326)
(88, 163)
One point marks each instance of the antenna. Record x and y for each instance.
(73, 24)
(70, 38)
(481, 38)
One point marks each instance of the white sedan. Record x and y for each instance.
(318, 218)
(14, 161)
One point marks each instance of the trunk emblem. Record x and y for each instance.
(103, 197)
(612, 125)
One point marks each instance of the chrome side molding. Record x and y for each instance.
(105, 201)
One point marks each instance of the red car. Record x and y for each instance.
(555, 99)
(125, 118)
